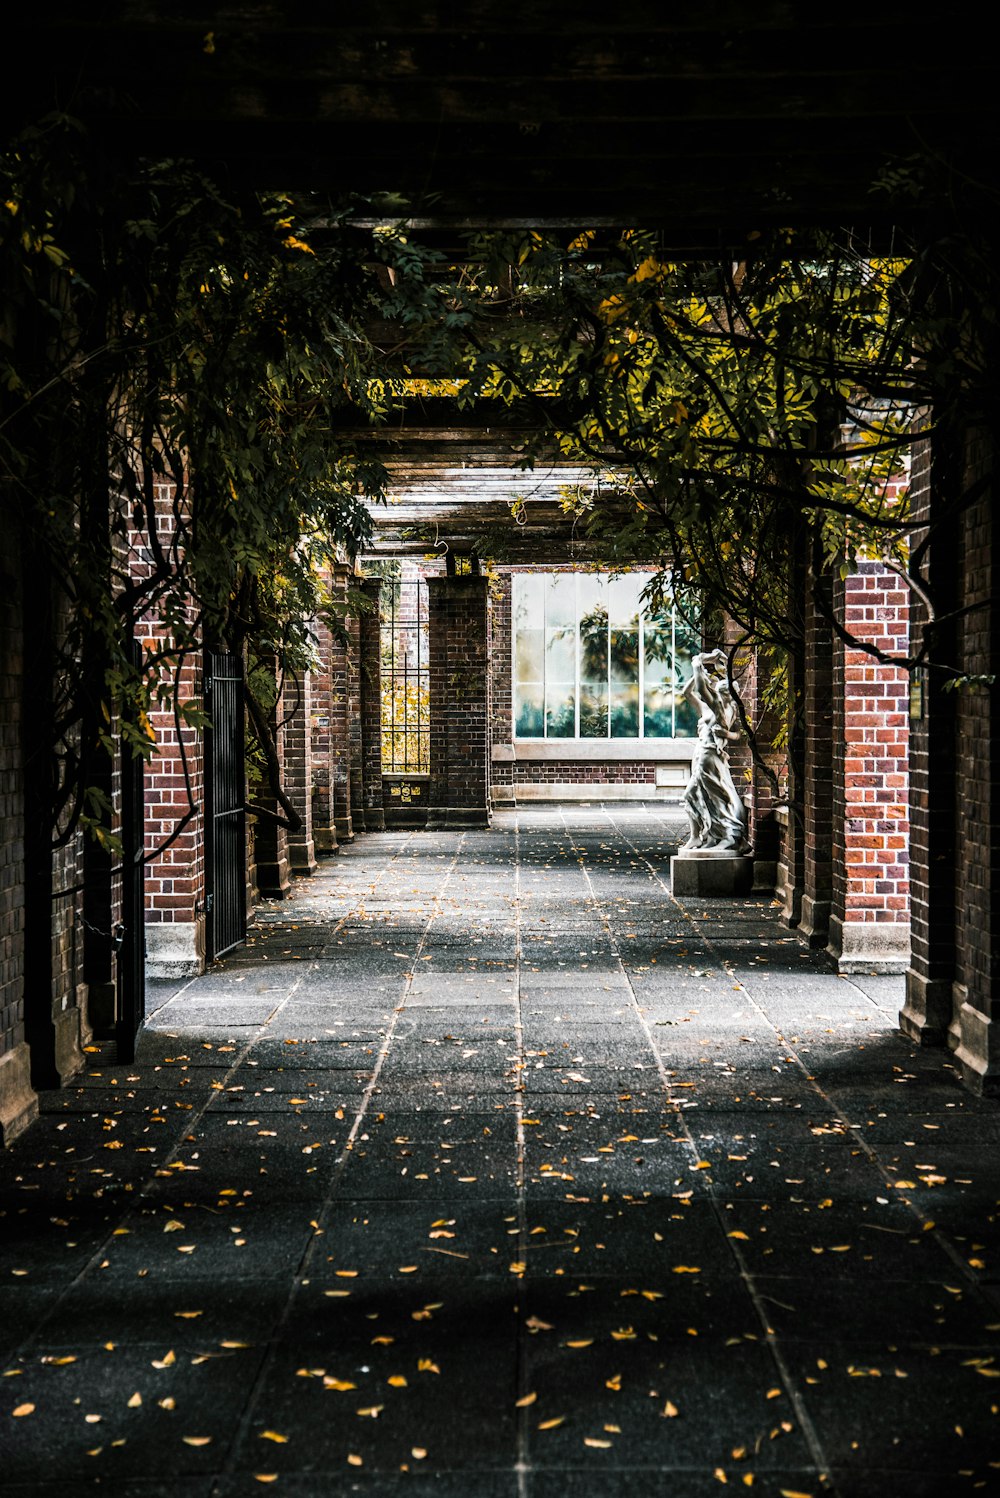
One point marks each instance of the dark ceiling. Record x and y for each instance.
(711, 121)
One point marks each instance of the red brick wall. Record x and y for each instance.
(977, 757)
(370, 689)
(298, 769)
(871, 773)
(459, 656)
(927, 1013)
(321, 754)
(175, 876)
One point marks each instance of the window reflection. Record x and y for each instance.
(590, 661)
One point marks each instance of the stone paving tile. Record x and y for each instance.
(614, 1193)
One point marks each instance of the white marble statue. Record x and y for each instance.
(714, 806)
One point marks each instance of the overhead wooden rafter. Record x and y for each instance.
(711, 122)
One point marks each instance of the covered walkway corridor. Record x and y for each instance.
(490, 1169)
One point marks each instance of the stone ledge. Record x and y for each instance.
(653, 751)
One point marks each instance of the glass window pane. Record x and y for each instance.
(594, 711)
(529, 601)
(560, 712)
(593, 629)
(560, 599)
(529, 652)
(528, 714)
(625, 712)
(624, 651)
(657, 660)
(560, 653)
(623, 599)
(657, 712)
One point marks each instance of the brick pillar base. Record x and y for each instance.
(459, 736)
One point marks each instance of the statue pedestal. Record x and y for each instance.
(709, 873)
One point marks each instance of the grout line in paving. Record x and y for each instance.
(300, 1276)
(823, 1467)
(522, 1465)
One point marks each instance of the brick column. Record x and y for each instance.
(273, 868)
(18, 1100)
(370, 687)
(175, 874)
(323, 824)
(975, 1022)
(869, 923)
(340, 713)
(355, 726)
(459, 732)
(927, 1012)
(817, 764)
(298, 771)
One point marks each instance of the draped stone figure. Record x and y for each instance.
(714, 806)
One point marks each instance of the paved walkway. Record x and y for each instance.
(489, 1170)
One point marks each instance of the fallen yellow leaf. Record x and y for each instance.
(525, 1401)
(551, 1424)
(196, 1440)
(23, 1409)
(273, 1435)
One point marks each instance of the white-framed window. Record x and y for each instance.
(591, 661)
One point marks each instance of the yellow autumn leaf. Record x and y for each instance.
(340, 1384)
(166, 1361)
(551, 1424)
(527, 1399)
(135, 1401)
(23, 1409)
(670, 1410)
(196, 1440)
(273, 1435)
(265, 1477)
(745, 1237)
(353, 1460)
(425, 1365)
(397, 1381)
(594, 1441)
(291, 243)
(686, 1269)
(418, 1453)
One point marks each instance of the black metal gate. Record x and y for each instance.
(130, 936)
(225, 812)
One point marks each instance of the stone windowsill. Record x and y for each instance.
(655, 751)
